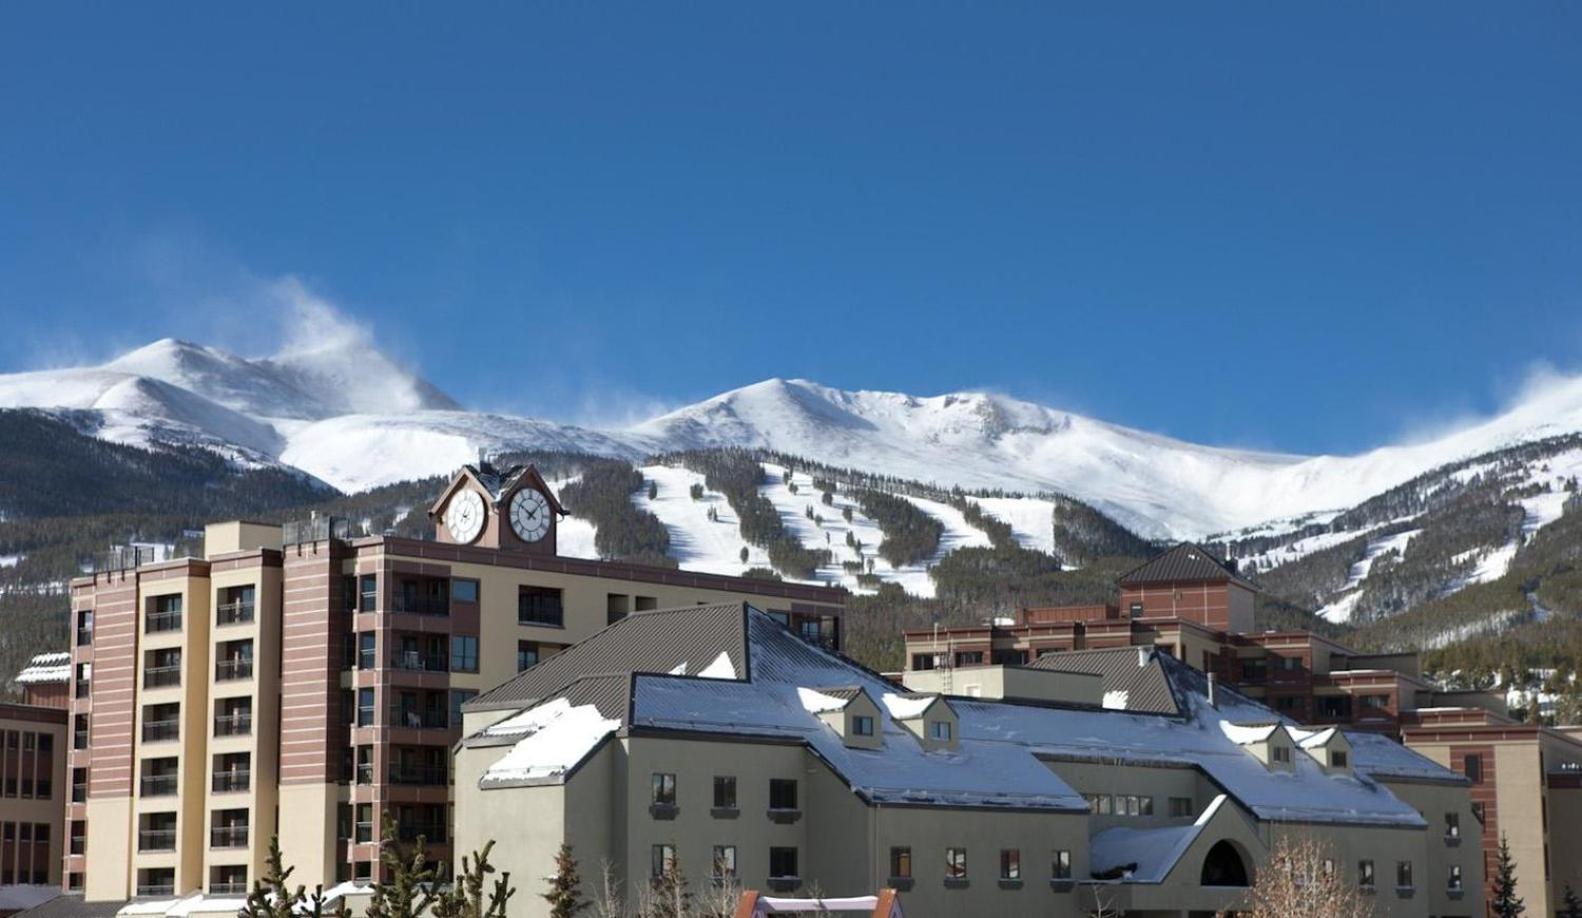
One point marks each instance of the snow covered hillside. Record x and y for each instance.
(355, 419)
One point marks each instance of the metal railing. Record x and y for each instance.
(429, 775)
(226, 782)
(79, 793)
(233, 613)
(84, 688)
(84, 637)
(235, 888)
(430, 832)
(162, 676)
(365, 773)
(156, 840)
(233, 724)
(228, 837)
(238, 668)
(317, 529)
(157, 622)
(417, 719)
(156, 889)
(157, 786)
(79, 739)
(155, 731)
(419, 662)
(420, 605)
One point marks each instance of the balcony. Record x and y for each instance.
(79, 739)
(420, 775)
(415, 661)
(228, 889)
(420, 605)
(156, 889)
(233, 613)
(228, 837)
(157, 786)
(230, 782)
(431, 832)
(159, 622)
(155, 731)
(415, 719)
(229, 670)
(233, 725)
(79, 792)
(156, 840)
(162, 676)
(365, 773)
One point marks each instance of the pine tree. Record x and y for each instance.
(653, 490)
(1572, 905)
(564, 896)
(272, 898)
(465, 897)
(744, 554)
(410, 890)
(1506, 903)
(669, 895)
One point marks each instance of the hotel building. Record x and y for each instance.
(305, 682)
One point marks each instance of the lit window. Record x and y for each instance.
(1010, 864)
(955, 863)
(901, 863)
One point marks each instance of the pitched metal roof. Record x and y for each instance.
(682, 640)
(72, 906)
(1134, 678)
(1186, 562)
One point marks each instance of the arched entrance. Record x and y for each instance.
(1224, 866)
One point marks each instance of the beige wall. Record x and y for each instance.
(1009, 682)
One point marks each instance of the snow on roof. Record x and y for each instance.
(1384, 758)
(46, 667)
(907, 706)
(816, 702)
(1247, 734)
(1115, 699)
(1154, 851)
(556, 735)
(1312, 739)
(721, 668)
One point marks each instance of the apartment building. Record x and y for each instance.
(46, 680)
(306, 682)
(32, 791)
(710, 741)
(1196, 608)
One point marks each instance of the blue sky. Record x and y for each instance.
(1308, 228)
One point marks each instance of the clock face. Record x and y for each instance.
(464, 517)
(530, 515)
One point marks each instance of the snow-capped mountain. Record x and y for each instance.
(352, 417)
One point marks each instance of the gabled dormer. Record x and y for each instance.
(930, 718)
(1269, 743)
(512, 509)
(848, 710)
(1328, 747)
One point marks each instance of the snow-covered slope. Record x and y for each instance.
(354, 418)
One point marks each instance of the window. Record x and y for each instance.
(459, 697)
(526, 655)
(1365, 874)
(1180, 807)
(368, 594)
(1254, 670)
(1453, 882)
(782, 794)
(365, 823)
(1452, 825)
(862, 725)
(782, 863)
(1338, 758)
(663, 861)
(365, 707)
(939, 730)
(1280, 755)
(1472, 767)
(464, 653)
(901, 863)
(1290, 664)
(84, 627)
(1376, 702)
(365, 764)
(955, 863)
(367, 645)
(1010, 863)
(79, 739)
(616, 607)
(164, 614)
(1136, 610)
(540, 606)
(724, 792)
(724, 860)
(1327, 868)
(1403, 874)
(1285, 703)
(923, 661)
(464, 590)
(1060, 865)
(969, 657)
(664, 789)
(1477, 812)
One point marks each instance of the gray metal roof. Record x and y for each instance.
(657, 641)
(1186, 562)
(72, 906)
(1136, 671)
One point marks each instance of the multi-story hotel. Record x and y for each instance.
(32, 791)
(303, 682)
(711, 741)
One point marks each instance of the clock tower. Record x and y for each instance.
(511, 509)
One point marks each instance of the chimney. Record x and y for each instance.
(1143, 652)
(1213, 691)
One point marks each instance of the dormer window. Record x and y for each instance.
(939, 731)
(1280, 755)
(862, 725)
(1338, 758)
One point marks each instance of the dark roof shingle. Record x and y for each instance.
(1133, 670)
(1185, 563)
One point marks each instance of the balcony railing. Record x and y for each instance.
(156, 840)
(417, 719)
(158, 785)
(155, 731)
(84, 688)
(233, 724)
(156, 622)
(156, 889)
(234, 888)
(228, 837)
(227, 670)
(226, 782)
(420, 605)
(84, 637)
(78, 845)
(79, 793)
(429, 775)
(233, 613)
(162, 676)
(419, 662)
(430, 832)
(79, 739)
(365, 773)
